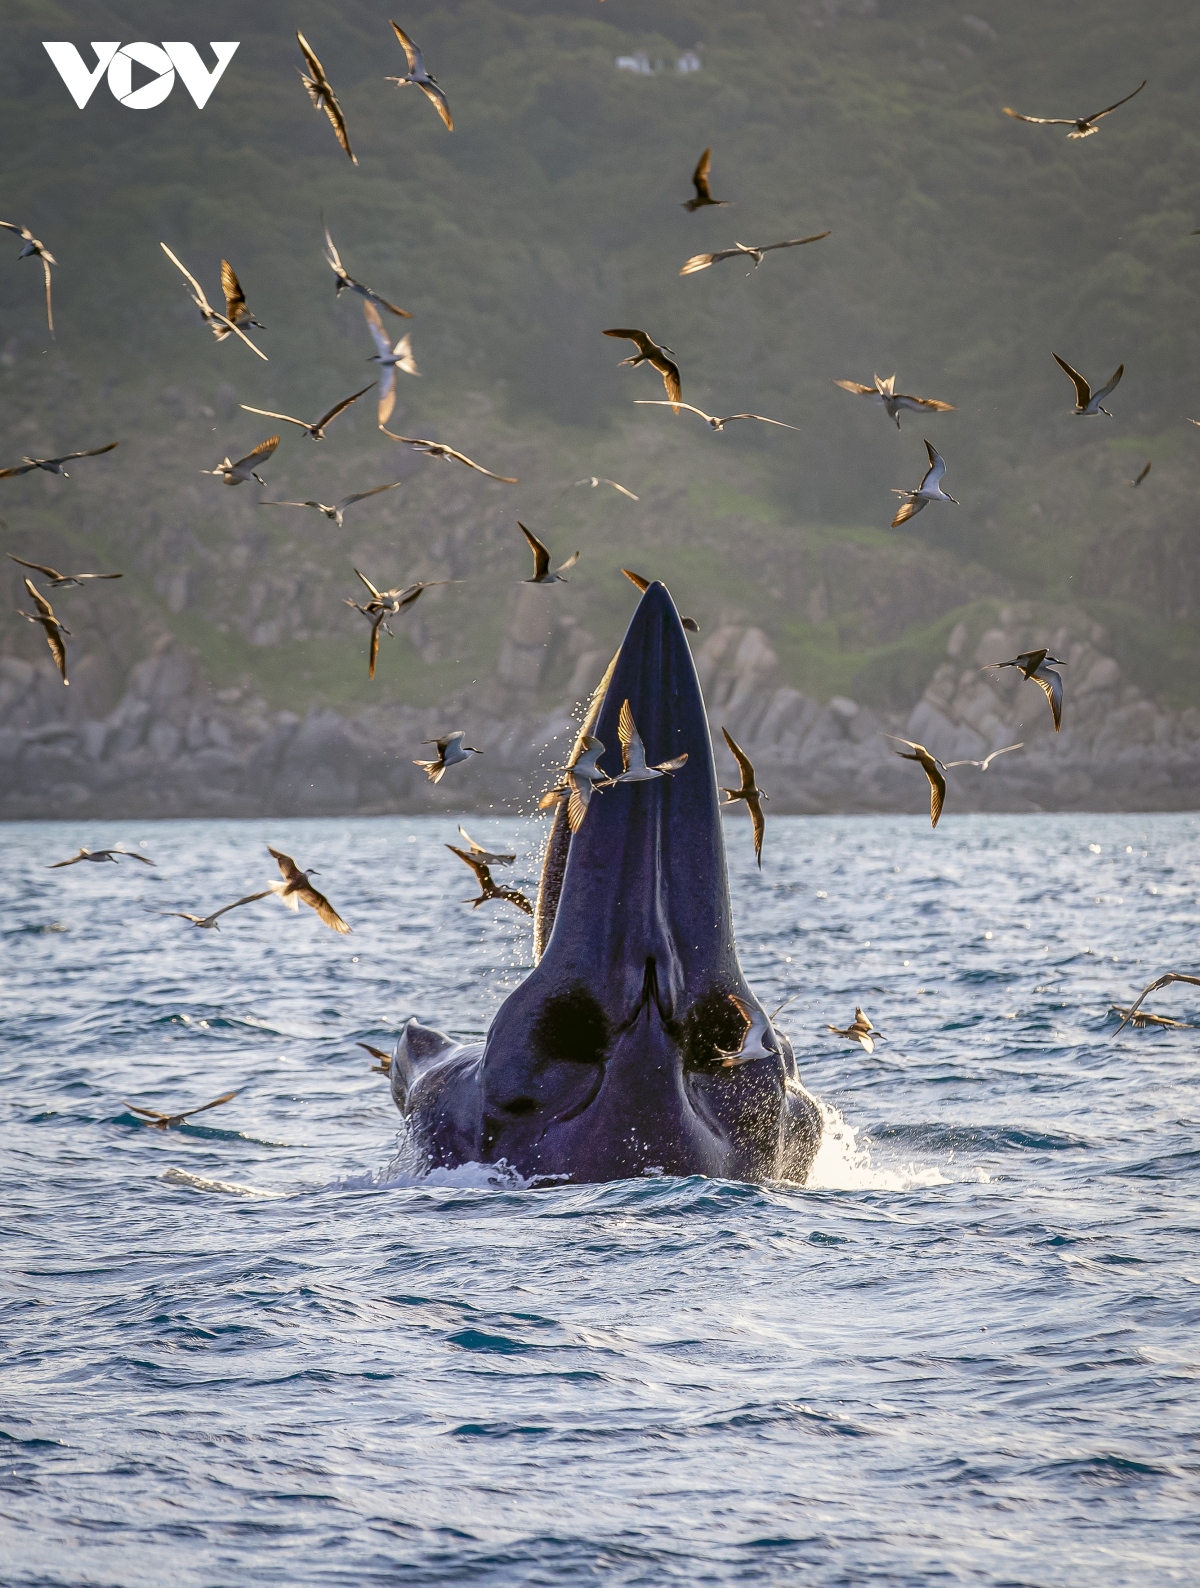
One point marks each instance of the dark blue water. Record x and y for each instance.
(256, 1350)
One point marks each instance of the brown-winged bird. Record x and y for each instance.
(1084, 126)
(655, 354)
(296, 889)
(700, 183)
(747, 790)
(490, 888)
(323, 96)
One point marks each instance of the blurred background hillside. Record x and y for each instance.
(965, 247)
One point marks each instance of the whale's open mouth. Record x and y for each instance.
(606, 1061)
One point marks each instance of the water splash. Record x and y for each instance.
(843, 1163)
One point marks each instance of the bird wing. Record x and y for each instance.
(937, 787)
(373, 657)
(51, 573)
(476, 849)
(49, 307)
(57, 649)
(937, 467)
(21, 231)
(857, 387)
(286, 864)
(1162, 981)
(1125, 101)
(318, 902)
(669, 371)
(793, 242)
(660, 402)
(756, 816)
(150, 1113)
(1041, 121)
(320, 81)
(261, 452)
(288, 900)
(82, 855)
(762, 418)
(541, 557)
(402, 355)
(93, 452)
(361, 496)
(439, 102)
(1104, 390)
(385, 1059)
(339, 407)
(323, 97)
(202, 302)
(643, 342)
(745, 765)
(225, 1097)
(267, 414)
(132, 854)
(634, 578)
(235, 298)
(902, 400)
(689, 268)
(908, 510)
(224, 910)
(1083, 392)
(332, 257)
(482, 875)
(570, 563)
(700, 176)
(673, 765)
(633, 751)
(513, 897)
(19, 468)
(45, 610)
(987, 760)
(375, 325)
(387, 395)
(1138, 481)
(412, 53)
(1051, 684)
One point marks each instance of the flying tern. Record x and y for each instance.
(219, 324)
(244, 469)
(33, 247)
(710, 420)
(700, 183)
(541, 561)
(1084, 126)
(655, 354)
(296, 889)
(345, 281)
(420, 78)
(885, 394)
(747, 790)
(333, 510)
(54, 465)
(1034, 666)
(59, 581)
(323, 96)
(450, 751)
(744, 251)
(929, 490)
(489, 887)
(312, 427)
(50, 626)
(1088, 402)
(934, 770)
(209, 922)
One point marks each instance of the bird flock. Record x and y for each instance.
(583, 777)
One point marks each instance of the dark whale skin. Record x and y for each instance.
(604, 1064)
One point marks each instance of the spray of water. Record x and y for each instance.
(843, 1162)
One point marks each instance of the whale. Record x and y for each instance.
(619, 1055)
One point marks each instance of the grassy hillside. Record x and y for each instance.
(965, 248)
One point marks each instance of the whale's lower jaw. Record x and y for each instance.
(753, 1123)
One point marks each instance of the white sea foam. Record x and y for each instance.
(844, 1164)
(229, 1188)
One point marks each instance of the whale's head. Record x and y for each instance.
(607, 1061)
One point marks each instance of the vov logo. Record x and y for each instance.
(118, 59)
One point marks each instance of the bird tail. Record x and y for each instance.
(432, 769)
(280, 890)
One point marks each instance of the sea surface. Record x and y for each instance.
(257, 1349)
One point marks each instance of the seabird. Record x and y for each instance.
(345, 280)
(393, 601)
(1088, 402)
(51, 627)
(652, 353)
(700, 183)
(929, 490)
(451, 750)
(34, 247)
(296, 889)
(333, 511)
(237, 311)
(1033, 665)
(390, 359)
(486, 855)
(1084, 126)
(1140, 1019)
(988, 759)
(1142, 475)
(237, 473)
(100, 855)
(209, 922)
(595, 479)
(323, 96)
(157, 1121)
(934, 771)
(490, 889)
(54, 465)
(582, 777)
(541, 561)
(219, 324)
(884, 392)
(1163, 981)
(748, 791)
(754, 1041)
(383, 1061)
(436, 449)
(633, 754)
(59, 581)
(644, 584)
(859, 1030)
(744, 251)
(420, 77)
(315, 427)
(709, 419)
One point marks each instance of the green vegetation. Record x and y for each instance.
(965, 248)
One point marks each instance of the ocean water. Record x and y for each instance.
(256, 1349)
